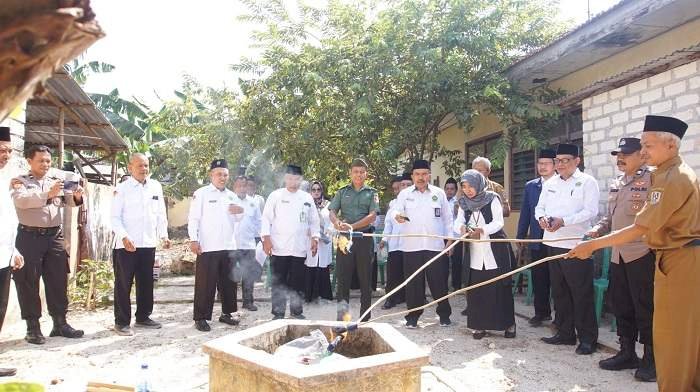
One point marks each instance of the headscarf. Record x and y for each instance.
(320, 202)
(483, 197)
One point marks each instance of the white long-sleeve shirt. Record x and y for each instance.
(209, 221)
(138, 212)
(8, 217)
(291, 220)
(480, 253)
(324, 255)
(429, 213)
(391, 227)
(248, 228)
(575, 200)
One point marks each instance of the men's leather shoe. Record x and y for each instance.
(537, 320)
(411, 324)
(61, 328)
(445, 322)
(123, 330)
(278, 317)
(298, 316)
(478, 335)
(585, 348)
(560, 340)
(251, 307)
(228, 319)
(202, 325)
(387, 305)
(34, 335)
(510, 333)
(647, 367)
(626, 358)
(148, 323)
(7, 372)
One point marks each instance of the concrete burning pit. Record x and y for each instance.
(379, 359)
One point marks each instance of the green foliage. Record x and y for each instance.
(79, 286)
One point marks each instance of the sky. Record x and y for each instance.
(154, 43)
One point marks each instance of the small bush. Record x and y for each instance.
(92, 285)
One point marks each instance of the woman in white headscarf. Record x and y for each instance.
(317, 275)
(490, 307)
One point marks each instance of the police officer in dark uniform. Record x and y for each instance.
(355, 207)
(39, 200)
(632, 268)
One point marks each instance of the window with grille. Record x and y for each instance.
(484, 148)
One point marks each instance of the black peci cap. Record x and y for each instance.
(665, 124)
(218, 163)
(567, 149)
(4, 134)
(547, 153)
(420, 164)
(292, 169)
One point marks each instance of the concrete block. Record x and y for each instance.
(694, 83)
(600, 98)
(652, 95)
(587, 126)
(685, 70)
(658, 79)
(611, 107)
(621, 117)
(634, 128)
(604, 173)
(616, 132)
(586, 103)
(639, 112)
(594, 112)
(629, 102)
(686, 115)
(688, 99)
(603, 122)
(608, 145)
(637, 86)
(617, 93)
(675, 88)
(596, 136)
(661, 107)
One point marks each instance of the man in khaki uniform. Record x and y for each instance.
(483, 166)
(632, 268)
(670, 220)
(39, 199)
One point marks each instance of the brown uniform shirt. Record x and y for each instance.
(672, 212)
(493, 186)
(625, 199)
(34, 208)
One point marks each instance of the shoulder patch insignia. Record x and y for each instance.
(655, 197)
(435, 198)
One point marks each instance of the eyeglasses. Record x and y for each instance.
(563, 161)
(315, 189)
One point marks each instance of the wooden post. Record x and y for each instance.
(114, 170)
(61, 138)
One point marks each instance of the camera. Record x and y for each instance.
(71, 185)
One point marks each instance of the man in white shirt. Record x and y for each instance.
(10, 258)
(244, 241)
(288, 218)
(423, 209)
(251, 189)
(140, 224)
(567, 205)
(394, 266)
(211, 225)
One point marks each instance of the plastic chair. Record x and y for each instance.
(600, 285)
(530, 287)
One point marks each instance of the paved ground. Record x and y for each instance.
(458, 362)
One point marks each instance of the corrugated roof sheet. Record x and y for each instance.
(41, 125)
(675, 59)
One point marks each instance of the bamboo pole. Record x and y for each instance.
(61, 133)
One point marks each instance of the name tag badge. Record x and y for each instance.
(551, 191)
(437, 212)
(155, 198)
(213, 201)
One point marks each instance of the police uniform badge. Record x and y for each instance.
(655, 197)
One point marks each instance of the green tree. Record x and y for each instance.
(382, 80)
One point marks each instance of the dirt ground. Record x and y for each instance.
(174, 355)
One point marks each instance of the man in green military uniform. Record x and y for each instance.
(670, 220)
(355, 208)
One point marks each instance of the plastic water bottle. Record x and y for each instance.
(144, 384)
(156, 266)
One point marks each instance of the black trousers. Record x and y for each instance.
(211, 273)
(572, 291)
(632, 294)
(456, 266)
(130, 266)
(5, 277)
(287, 280)
(394, 272)
(45, 258)
(359, 259)
(540, 283)
(250, 272)
(436, 275)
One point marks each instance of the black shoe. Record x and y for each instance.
(647, 367)
(278, 317)
(537, 320)
(464, 312)
(61, 328)
(411, 324)
(123, 330)
(299, 316)
(202, 325)
(560, 340)
(148, 323)
(510, 333)
(388, 305)
(34, 335)
(445, 322)
(478, 335)
(585, 348)
(228, 319)
(250, 307)
(7, 372)
(626, 358)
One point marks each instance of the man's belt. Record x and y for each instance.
(39, 230)
(695, 242)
